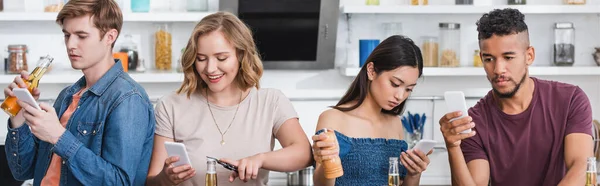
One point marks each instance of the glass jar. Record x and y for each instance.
(17, 59)
(197, 5)
(564, 47)
(390, 29)
(372, 2)
(477, 62)
(162, 47)
(417, 2)
(14, 6)
(140, 5)
(53, 5)
(449, 45)
(130, 48)
(429, 49)
(464, 2)
(575, 2)
(1, 5)
(517, 2)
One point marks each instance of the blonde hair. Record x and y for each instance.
(239, 35)
(106, 14)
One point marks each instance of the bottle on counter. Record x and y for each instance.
(10, 105)
(211, 173)
(590, 174)
(393, 172)
(130, 48)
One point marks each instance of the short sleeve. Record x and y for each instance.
(284, 110)
(579, 119)
(164, 126)
(472, 148)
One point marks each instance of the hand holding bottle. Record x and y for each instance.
(326, 151)
(10, 105)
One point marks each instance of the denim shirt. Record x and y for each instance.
(108, 139)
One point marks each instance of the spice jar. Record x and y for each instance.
(575, 2)
(564, 47)
(429, 48)
(162, 47)
(517, 2)
(449, 45)
(477, 59)
(17, 59)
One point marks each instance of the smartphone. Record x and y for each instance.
(225, 164)
(455, 101)
(178, 149)
(425, 145)
(24, 95)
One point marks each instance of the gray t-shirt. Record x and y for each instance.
(258, 119)
(528, 148)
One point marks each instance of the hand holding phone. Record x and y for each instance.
(24, 95)
(455, 101)
(178, 149)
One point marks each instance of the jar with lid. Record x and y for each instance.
(564, 46)
(517, 2)
(575, 2)
(429, 48)
(130, 48)
(197, 5)
(449, 45)
(140, 5)
(477, 62)
(17, 59)
(417, 2)
(162, 47)
(53, 5)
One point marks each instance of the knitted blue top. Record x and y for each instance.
(366, 160)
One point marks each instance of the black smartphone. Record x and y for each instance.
(225, 164)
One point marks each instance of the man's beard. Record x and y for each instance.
(511, 93)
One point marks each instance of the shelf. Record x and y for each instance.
(478, 71)
(128, 17)
(471, 9)
(72, 77)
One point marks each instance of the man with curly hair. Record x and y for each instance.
(526, 131)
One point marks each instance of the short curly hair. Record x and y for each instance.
(501, 22)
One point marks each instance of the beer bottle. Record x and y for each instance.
(590, 175)
(393, 174)
(211, 173)
(10, 105)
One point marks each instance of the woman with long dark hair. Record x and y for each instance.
(366, 120)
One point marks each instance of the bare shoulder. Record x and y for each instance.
(331, 119)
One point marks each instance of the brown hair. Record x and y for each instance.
(394, 52)
(239, 35)
(106, 14)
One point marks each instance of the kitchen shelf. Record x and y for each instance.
(72, 77)
(478, 71)
(471, 9)
(127, 17)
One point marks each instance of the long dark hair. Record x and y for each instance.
(391, 53)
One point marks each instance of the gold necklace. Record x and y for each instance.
(214, 120)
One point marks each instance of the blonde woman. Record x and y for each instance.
(219, 111)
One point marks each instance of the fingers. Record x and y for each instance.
(232, 176)
(450, 116)
(242, 169)
(46, 107)
(461, 121)
(33, 112)
(410, 162)
(405, 163)
(462, 127)
(189, 174)
(35, 93)
(19, 81)
(419, 158)
(249, 170)
(319, 137)
(181, 169)
(24, 75)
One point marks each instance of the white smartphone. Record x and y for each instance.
(24, 95)
(178, 149)
(455, 101)
(425, 145)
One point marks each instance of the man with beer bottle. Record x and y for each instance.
(527, 131)
(100, 129)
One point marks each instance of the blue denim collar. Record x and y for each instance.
(103, 83)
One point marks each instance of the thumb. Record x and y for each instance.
(46, 107)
